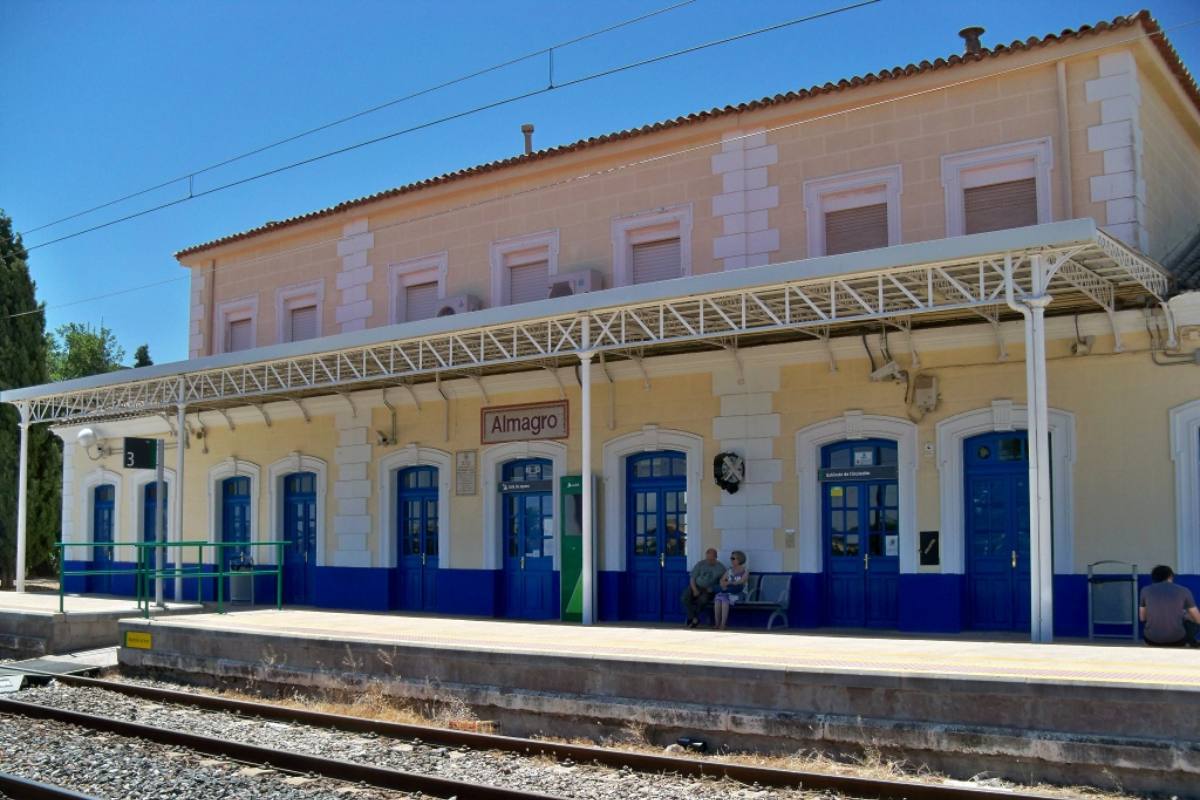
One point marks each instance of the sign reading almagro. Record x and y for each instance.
(519, 423)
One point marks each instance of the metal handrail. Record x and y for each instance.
(145, 573)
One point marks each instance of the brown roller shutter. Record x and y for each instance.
(303, 323)
(657, 261)
(1012, 204)
(238, 336)
(529, 282)
(852, 229)
(420, 301)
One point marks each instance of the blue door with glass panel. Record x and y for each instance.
(997, 530)
(300, 533)
(235, 523)
(417, 534)
(527, 506)
(150, 522)
(656, 534)
(103, 505)
(861, 521)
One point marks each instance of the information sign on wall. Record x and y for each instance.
(466, 472)
(888, 473)
(524, 422)
(140, 453)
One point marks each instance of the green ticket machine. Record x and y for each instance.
(571, 559)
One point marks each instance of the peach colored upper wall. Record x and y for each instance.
(912, 123)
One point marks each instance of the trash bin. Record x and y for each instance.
(1112, 600)
(241, 587)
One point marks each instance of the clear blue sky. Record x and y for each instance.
(98, 99)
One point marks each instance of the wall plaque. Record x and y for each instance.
(524, 422)
(466, 472)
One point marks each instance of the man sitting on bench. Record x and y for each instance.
(1168, 611)
(704, 581)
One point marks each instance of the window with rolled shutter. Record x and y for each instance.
(656, 261)
(303, 323)
(998, 206)
(420, 301)
(853, 229)
(528, 282)
(237, 336)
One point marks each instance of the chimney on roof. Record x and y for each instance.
(527, 129)
(971, 39)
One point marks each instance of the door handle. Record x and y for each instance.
(662, 560)
(522, 562)
(422, 559)
(1014, 559)
(866, 560)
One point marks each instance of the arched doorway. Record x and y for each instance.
(996, 491)
(300, 533)
(656, 533)
(860, 515)
(417, 537)
(235, 524)
(104, 499)
(527, 520)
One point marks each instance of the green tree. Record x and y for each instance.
(77, 350)
(141, 356)
(23, 363)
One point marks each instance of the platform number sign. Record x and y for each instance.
(140, 453)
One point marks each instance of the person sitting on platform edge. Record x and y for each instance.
(733, 588)
(702, 584)
(1169, 611)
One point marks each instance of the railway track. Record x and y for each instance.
(850, 786)
(19, 788)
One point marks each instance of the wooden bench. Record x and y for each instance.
(767, 593)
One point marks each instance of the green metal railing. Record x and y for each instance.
(146, 573)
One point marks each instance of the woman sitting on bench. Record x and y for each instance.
(733, 588)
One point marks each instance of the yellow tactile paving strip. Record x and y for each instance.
(1004, 661)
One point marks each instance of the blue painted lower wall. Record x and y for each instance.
(931, 602)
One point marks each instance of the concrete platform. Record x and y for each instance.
(1124, 714)
(31, 624)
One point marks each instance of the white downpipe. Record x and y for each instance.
(177, 509)
(1041, 567)
(589, 535)
(22, 501)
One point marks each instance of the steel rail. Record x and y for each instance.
(25, 789)
(336, 769)
(852, 786)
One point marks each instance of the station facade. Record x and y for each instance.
(807, 299)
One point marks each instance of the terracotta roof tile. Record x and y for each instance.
(1147, 22)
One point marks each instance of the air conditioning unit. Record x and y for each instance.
(458, 304)
(566, 284)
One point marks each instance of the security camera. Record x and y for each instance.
(383, 439)
(889, 371)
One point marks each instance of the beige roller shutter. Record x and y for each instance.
(237, 336)
(855, 229)
(303, 323)
(997, 206)
(529, 282)
(657, 261)
(420, 301)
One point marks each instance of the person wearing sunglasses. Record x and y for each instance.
(733, 588)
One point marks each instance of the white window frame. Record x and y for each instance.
(640, 227)
(1185, 452)
(298, 295)
(235, 311)
(852, 190)
(142, 479)
(986, 166)
(229, 468)
(389, 467)
(501, 248)
(413, 272)
(276, 472)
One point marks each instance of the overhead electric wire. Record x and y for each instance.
(459, 115)
(246, 263)
(188, 176)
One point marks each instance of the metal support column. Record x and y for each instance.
(160, 519)
(1032, 308)
(177, 508)
(22, 495)
(589, 534)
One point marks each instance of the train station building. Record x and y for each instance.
(925, 342)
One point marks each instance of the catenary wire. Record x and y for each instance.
(458, 115)
(246, 263)
(187, 176)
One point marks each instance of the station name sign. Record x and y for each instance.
(888, 473)
(524, 422)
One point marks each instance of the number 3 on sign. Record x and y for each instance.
(130, 459)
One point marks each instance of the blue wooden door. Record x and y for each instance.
(235, 523)
(150, 511)
(861, 522)
(417, 534)
(656, 534)
(527, 506)
(997, 530)
(300, 533)
(103, 505)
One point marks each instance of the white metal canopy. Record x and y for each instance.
(905, 285)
